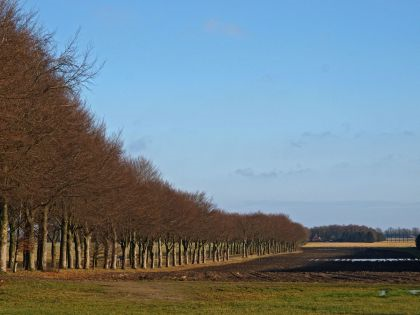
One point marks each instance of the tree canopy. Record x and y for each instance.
(64, 179)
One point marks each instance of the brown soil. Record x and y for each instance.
(299, 267)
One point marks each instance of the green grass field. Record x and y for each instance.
(19, 296)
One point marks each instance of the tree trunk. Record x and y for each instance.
(4, 222)
(213, 253)
(133, 252)
(173, 253)
(106, 254)
(159, 253)
(198, 252)
(151, 254)
(139, 250)
(203, 257)
(143, 254)
(39, 251)
(114, 250)
(95, 254)
(193, 252)
(123, 244)
(15, 264)
(78, 250)
(70, 255)
(227, 251)
(180, 252)
(209, 251)
(12, 246)
(223, 251)
(63, 243)
(53, 252)
(186, 245)
(167, 252)
(86, 261)
(44, 239)
(30, 237)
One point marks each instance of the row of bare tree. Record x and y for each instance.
(64, 183)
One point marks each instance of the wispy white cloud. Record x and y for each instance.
(251, 173)
(307, 137)
(114, 15)
(219, 27)
(296, 144)
(342, 165)
(317, 135)
(139, 145)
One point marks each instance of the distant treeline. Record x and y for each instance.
(345, 233)
(401, 233)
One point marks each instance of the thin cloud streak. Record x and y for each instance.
(139, 145)
(218, 27)
(250, 173)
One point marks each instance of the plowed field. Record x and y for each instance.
(311, 265)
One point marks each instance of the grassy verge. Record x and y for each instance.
(129, 297)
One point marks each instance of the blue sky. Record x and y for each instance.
(311, 108)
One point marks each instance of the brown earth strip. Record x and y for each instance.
(300, 267)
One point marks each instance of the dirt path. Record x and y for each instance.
(312, 265)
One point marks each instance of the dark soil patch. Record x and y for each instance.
(301, 267)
